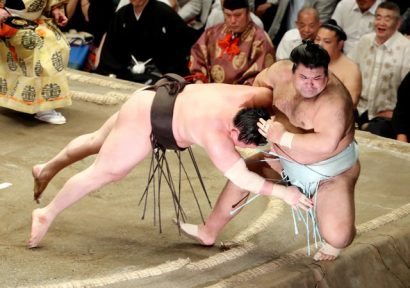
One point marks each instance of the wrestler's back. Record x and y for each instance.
(201, 108)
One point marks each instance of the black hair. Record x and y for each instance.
(331, 24)
(235, 4)
(310, 55)
(245, 120)
(390, 6)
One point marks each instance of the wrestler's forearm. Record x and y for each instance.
(247, 180)
(305, 148)
(316, 143)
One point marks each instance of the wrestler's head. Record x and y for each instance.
(245, 121)
(236, 15)
(331, 37)
(310, 68)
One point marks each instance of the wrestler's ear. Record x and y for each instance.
(340, 45)
(234, 133)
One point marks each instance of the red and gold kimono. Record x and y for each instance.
(220, 57)
(33, 62)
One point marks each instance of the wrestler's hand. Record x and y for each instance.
(295, 198)
(270, 129)
(59, 17)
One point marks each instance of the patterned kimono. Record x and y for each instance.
(220, 58)
(32, 62)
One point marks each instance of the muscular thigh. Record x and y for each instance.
(129, 140)
(266, 167)
(335, 201)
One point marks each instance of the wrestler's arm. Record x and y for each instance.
(271, 75)
(329, 128)
(354, 82)
(225, 157)
(263, 79)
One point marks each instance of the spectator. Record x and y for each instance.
(401, 114)
(325, 9)
(92, 16)
(195, 13)
(276, 14)
(307, 25)
(160, 43)
(33, 59)
(384, 62)
(233, 52)
(331, 37)
(356, 18)
(217, 15)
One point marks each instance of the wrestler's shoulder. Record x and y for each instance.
(336, 96)
(283, 64)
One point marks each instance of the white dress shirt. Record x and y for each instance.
(355, 23)
(383, 68)
(290, 40)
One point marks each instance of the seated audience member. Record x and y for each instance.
(217, 15)
(276, 14)
(233, 52)
(331, 37)
(145, 40)
(324, 8)
(401, 113)
(383, 58)
(356, 18)
(195, 13)
(307, 25)
(92, 16)
(33, 60)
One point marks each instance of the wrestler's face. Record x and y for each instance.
(328, 40)
(386, 24)
(237, 19)
(365, 5)
(307, 25)
(309, 82)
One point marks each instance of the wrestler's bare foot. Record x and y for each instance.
(327, 253)
(194, 232)
(39, 227)
(41, 180)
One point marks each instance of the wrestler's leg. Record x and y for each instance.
(336, 213)
(77, 149)
(125, 146)
(206, 234)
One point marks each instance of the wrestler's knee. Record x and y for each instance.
(339, 238)
(112, 173)
(95, 142)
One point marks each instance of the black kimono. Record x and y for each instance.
(159, 33)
